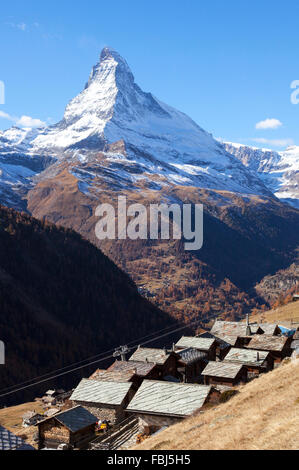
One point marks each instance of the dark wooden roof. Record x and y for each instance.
(191, 355)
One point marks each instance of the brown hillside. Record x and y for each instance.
(244, 240)
(284, 315)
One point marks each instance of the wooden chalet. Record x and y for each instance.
(74, 428)
(234, 328)
(205, 345)
(222, 347)
(255, 362)
(158, 404)
(141, 370)
(190, 364)
(278, 346)
(105, 399)
(222, 373)
(235, 333)
(164, 360)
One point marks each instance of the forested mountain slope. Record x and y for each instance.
(61, 300)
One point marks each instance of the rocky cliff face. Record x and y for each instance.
(277, 285)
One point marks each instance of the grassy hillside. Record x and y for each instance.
(283, 315)
(12, 417)
(264, 415)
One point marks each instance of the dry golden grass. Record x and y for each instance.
(264, 415)
(11, 418)
(282, 314)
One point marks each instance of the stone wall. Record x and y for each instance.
(103, 412)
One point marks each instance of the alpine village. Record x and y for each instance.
(142, 393)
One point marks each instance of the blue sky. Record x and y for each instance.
(227, 64)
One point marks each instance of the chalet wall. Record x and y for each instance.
(222, 352)
(255, 369)
(219, 381)
(212, 352)
(269, 363)
(193, 371)
(154, 374)
(151, 423)
(278, 356)
(240, 378)
(81, 438)
(52, 434)
(54, 430)
(170, 366)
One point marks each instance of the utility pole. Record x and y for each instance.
(248, 329)
(121, 352)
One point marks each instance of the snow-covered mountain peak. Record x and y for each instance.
(279, 170)
(110, 94)
(111, 64)
(159, 143)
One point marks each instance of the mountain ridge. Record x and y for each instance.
(278, 170)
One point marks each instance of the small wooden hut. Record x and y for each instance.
(74, 427)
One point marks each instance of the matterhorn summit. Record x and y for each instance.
(110, 98)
